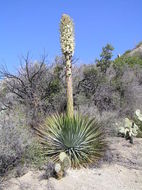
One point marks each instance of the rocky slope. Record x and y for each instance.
(137, 51)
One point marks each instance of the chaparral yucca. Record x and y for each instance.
(81, 138)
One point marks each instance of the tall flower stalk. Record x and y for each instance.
(67, 46)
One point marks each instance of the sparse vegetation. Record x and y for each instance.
(42, 128)
(109, 96)
(36, 86)
(14, 139)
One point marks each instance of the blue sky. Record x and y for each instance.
(33, 26)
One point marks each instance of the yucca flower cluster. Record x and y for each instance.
(67, 35)
(67, 46)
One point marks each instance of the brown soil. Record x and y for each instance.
(121, 169)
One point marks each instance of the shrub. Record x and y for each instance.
(33, 155)
(81, 138)
(127, 52)
(19, 148)
(108, 119)
(125, 60)
(14, 139)
(37, 86)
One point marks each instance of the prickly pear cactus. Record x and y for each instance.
(65, 160)
(138, 121)
(62, 156)
(128, 123)
(129, 130)
(121, 131)
(58, 171)
(57, 167)
(138, 114)
(63, 165)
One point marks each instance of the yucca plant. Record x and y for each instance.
(81, 138)
(67, 46)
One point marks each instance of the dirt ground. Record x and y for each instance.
(121, 169)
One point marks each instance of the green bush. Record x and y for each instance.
(127, 52)
(19, 148)
(33, 155)
(80, 137)
(14, 140)
(125, 60)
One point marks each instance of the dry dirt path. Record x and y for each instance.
(120, 170)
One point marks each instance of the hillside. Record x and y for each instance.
(70, 111)
(137, 51)
(107, 91)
